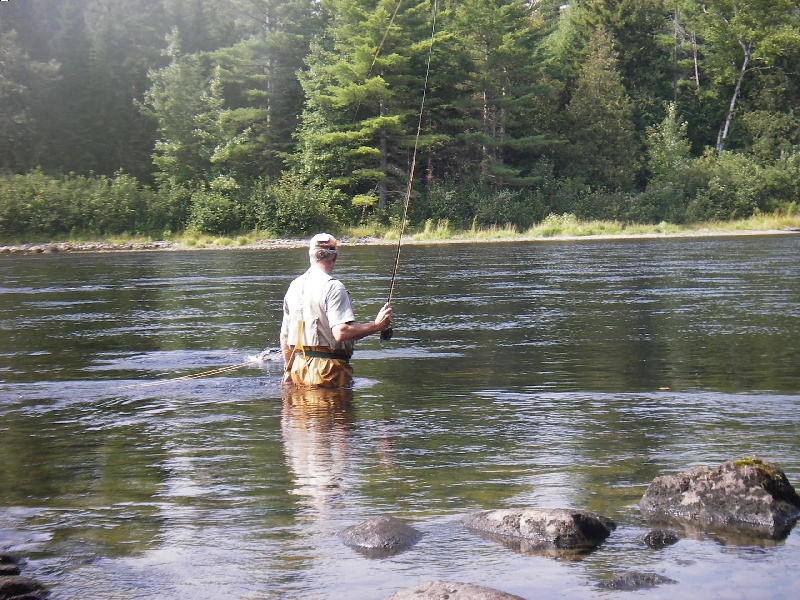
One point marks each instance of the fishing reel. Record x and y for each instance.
(387, 334)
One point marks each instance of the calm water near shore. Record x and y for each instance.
(560, 374)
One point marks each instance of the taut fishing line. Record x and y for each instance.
(387, 333)
(254, 360)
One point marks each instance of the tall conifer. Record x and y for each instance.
(603, 149)
(363, 87)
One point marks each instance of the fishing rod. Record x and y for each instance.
(387, 333)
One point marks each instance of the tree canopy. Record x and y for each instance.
(286, 114)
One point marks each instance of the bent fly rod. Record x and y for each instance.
(387, 333)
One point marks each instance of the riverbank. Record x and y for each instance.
(284, 243)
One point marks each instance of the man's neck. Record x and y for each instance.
(325, 266)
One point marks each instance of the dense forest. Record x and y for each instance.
(158, 116)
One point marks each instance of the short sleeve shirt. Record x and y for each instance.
(321, 302)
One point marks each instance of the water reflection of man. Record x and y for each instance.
(319, 328)
(315, 425)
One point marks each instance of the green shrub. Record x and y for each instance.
(214, 212)
(477, 205)
(261, 208)
(37, 205)
(300, 210)
(781, 181)
(663, 201)
(441, 201)
(121, 205)
(566, 194)
(171, 209)
(735, 189)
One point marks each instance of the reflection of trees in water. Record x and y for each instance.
(315, 425)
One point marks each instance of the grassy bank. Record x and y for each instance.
(567, 226)
(553, 227)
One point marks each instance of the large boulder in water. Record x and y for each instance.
(381, 536)
(447, 590)
(543, 529)
(749, 497)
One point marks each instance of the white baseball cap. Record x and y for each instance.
(322, 241)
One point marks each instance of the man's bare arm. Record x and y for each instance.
(350, 332)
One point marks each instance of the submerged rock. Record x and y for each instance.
(634, 580)
(748, 496)
(452, 590)
(661, 538)
(544, 528)
(15, 586)
(381, 536)
(9, 564)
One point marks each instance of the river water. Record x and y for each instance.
(544, 374)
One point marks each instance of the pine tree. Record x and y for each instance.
(644, 65)
(22, 81)
(187, 104)
(603, 150)
(498, 134)
(363, 87)
(260, 82)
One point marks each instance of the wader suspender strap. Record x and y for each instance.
(298, 347)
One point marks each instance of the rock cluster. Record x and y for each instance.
(750, 498)
(55, 247)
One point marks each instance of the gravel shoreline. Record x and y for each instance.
(285, 243)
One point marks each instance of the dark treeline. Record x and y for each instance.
(153, 116)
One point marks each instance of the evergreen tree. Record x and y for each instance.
(187, 104)
(603, 149)
(644, 64)
(204, 26)
(125, 41)
(498, 136)
(69, 131)
(260, 82)
(22, 82)
(363, 87)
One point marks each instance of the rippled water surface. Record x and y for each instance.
(520, 375)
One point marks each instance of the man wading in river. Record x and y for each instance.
(319, 328)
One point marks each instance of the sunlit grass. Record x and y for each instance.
(440, 230)
(552, 227)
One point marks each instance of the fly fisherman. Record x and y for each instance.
(319, 328)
